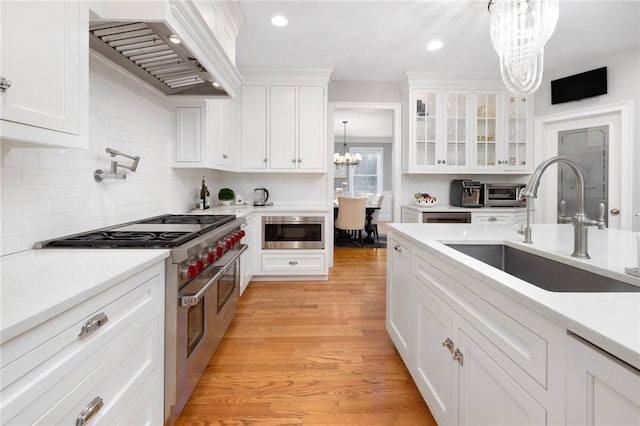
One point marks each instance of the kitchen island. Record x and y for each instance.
(467, 330)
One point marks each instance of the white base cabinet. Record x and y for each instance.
(476, 356)
(601, 390)
(48, 69)
(55, 371)
(399, 301)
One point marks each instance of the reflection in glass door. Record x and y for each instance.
(589, 148)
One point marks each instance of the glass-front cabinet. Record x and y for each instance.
(518, 131)
(439, 137)
(487, 128)
(427, 115)
(471, 126)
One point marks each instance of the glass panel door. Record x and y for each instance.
(425, 128)
(486, 126)
(516, 131)
(456, 128)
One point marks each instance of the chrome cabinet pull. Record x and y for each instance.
(293, 262)
(448, 344)
(89, 411)
(93, 323)
(493, 219)
(4, 84)
(397, 248)
(457, 356)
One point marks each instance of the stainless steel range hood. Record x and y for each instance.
(144, 49)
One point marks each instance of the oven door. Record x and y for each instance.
(293, 232)
(206, 306)
(197, 304)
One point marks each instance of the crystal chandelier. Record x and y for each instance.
(519, 30)
(344, 158)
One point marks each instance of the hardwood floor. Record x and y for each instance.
(311, 353)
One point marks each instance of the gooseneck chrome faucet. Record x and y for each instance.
(579, 220)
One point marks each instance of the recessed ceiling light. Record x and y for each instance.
(174, 39)
(434, 45)
(279, 21)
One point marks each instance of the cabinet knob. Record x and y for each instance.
(299, 160)
(4, 84)
(492, 219)
(615, 212)
(444, 161)
(293, 161)
(397, 248)
(448, 343)
(457, 356)
(265, 160)
(439, 161)
(224, 156)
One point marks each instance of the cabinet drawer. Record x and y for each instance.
(524, 347)
(116, 378)
(293, 262)
(491, 218)
(53, 353)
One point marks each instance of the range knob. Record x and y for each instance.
(242, 233)
(211, 256)
(228, 244)
(190, 272)
(200, 265)
(219, 250)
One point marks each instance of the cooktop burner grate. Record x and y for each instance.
(191, 219)
(125, 239)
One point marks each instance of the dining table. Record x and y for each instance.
(368, 228)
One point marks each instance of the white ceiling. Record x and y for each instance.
(378, 40)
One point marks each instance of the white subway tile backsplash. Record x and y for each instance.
(51, 192)
(48, 193)
(11, 176)
(19, 193)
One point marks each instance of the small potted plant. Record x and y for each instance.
(226, 195)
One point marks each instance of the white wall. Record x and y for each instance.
(48, 192)
(623, 78)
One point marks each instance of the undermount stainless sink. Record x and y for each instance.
(541, 272)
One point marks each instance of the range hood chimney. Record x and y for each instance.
(145, 50)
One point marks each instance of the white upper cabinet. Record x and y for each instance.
(284, 121)
(282, 133)
(465, 125)
(44, 64)
(253, 141)
(204, 134)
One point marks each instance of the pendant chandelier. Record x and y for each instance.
(519, 30)
(344, 158)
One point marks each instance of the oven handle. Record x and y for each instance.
(194, 299)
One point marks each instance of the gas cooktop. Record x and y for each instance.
(161, 231)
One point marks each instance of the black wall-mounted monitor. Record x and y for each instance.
(579, 86)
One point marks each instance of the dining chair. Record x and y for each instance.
(351, 215)
(377, 201)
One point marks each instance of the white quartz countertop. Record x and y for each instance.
(608, 320)
(40, 284)
(242, 210)
(448, 208)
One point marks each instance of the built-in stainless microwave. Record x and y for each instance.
(502, 194)
(292, 232)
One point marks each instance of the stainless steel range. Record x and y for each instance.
(202, 287)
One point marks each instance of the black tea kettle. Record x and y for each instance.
(260, 196)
